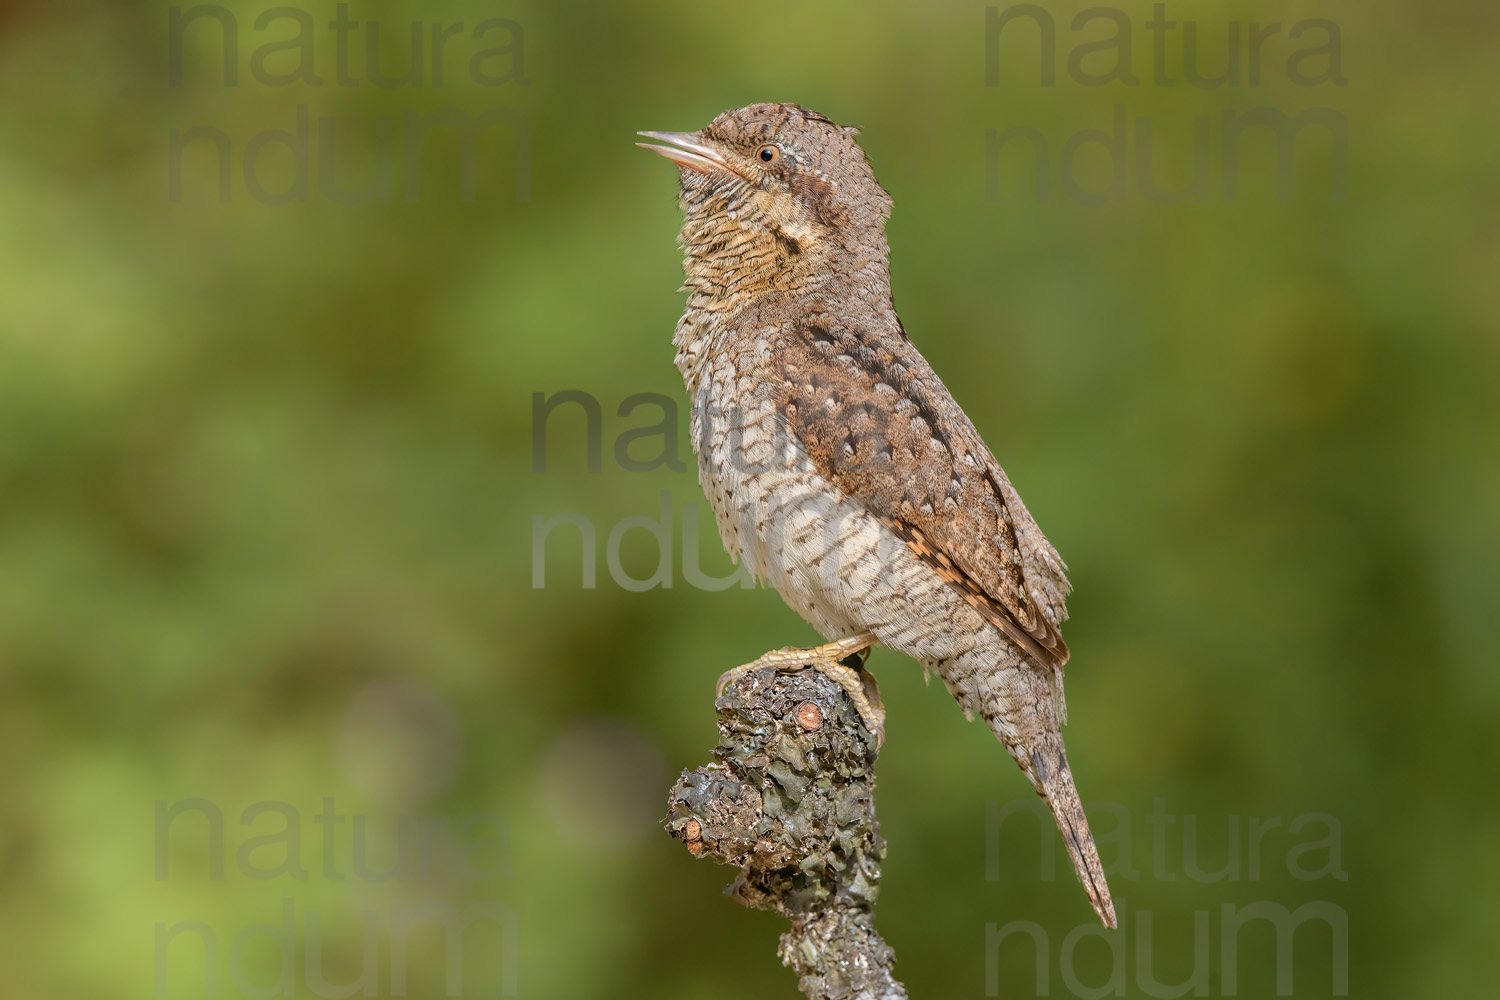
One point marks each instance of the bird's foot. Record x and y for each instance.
(841, 661)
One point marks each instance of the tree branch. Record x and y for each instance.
(789, 800)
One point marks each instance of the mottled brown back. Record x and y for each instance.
(881, 425)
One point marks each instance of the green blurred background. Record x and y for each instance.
(267, 497)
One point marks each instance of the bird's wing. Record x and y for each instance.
(878, 423)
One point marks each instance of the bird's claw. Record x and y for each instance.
(832, 661)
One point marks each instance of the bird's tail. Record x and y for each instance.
(1046, 764)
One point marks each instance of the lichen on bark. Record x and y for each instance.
(789, 800)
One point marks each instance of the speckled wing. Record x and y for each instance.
(878, 423)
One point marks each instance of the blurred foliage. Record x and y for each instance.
(266, 493)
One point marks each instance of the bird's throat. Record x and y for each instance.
(745, 263)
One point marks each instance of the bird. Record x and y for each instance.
(839, 466)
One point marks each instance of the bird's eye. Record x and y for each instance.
(768, 154)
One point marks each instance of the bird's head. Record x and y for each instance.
(782, 171)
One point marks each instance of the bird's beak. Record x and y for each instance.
(687, 151)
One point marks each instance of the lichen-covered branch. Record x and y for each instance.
(789, 800)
